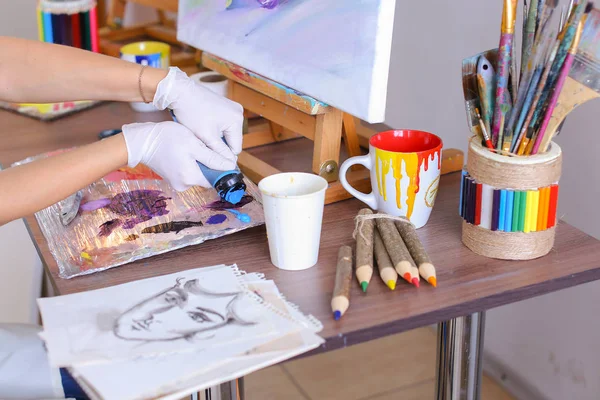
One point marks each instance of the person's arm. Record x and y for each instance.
(38, 72)
(27, 188)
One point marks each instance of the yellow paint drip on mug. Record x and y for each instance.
(412, 165)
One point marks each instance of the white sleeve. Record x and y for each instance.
(24, 369)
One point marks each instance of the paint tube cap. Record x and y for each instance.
(231, 187)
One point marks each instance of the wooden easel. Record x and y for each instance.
(291, 114)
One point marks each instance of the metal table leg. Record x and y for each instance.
(233, 390)
(459, 358)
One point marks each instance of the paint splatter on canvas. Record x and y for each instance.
(138, 216)
(336, 51)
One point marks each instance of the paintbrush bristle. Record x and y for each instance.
(589, 7)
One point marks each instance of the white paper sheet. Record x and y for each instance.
(187, 311)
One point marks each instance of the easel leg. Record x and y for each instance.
(459, 358)
(328, 140)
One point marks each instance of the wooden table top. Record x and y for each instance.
(467, 282)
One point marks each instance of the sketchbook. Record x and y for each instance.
(179, 375)
(132, 214)
(191, 310)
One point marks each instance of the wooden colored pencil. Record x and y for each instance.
(340, 300)
(387, 272)
(487, 196)
(552, 205)
(364, 250)
(398, 252)
(509, 210)
(417, 252)
(502, 210)
(478, 204)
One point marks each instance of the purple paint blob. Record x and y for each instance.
(95, 204)
(216, 219)
(108, 227)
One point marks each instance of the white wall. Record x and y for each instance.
(550, 342)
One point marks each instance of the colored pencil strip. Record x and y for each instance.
(473, 200)
(76, 30)
(508, 213)
(56, 29)
(502, 210)
(495, 204)
(94, 29)
(478, 204)
(522, 208)
(48, 37)
(542, 204)
(40, 24)
(552, 206)
(487, 195)
(516, 207)
(535, 202)
(85, 26)
(462, 189)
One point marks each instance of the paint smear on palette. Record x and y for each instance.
(108, 227)
(412, 164)
(172, 226)
(140, 205)
(222, 205)
(216, 219)
(140, 172)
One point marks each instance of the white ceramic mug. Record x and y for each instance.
(293, 204)
(405, 170)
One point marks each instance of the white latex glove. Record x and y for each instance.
(207, 114)
(171, 150)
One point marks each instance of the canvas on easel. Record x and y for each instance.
(336, 51)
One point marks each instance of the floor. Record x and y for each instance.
(363, 372)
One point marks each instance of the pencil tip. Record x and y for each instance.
(364, 285)
(391, 284)
(406, 276)
(415, 281)
(337, 315)
(432, 281)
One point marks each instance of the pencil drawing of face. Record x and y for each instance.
(180, 312)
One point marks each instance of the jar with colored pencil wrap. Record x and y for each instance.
(509, 204)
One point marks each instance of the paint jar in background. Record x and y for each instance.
(405, 170)
(153, 54)
(213, 81)
(293, 206)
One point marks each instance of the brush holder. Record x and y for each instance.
(508, 204)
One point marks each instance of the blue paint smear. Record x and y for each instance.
(216, 219)
(241, 216)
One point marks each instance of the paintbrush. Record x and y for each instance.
(540, 5)
(566, 38)
(534, 60)
(509, 14)
(471, 90)
(528, 35)
(486, 135)
(516, 146)
(561, 80)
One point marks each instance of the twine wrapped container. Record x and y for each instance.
(508, 204)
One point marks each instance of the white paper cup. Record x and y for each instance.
(293, 206)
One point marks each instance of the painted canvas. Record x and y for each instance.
(336, 51)
(132, 214)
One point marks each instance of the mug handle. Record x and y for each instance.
(368, 199)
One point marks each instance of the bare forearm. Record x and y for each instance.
(28, 188)
(38, 72)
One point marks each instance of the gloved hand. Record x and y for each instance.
(171, 150)
(208, 115)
